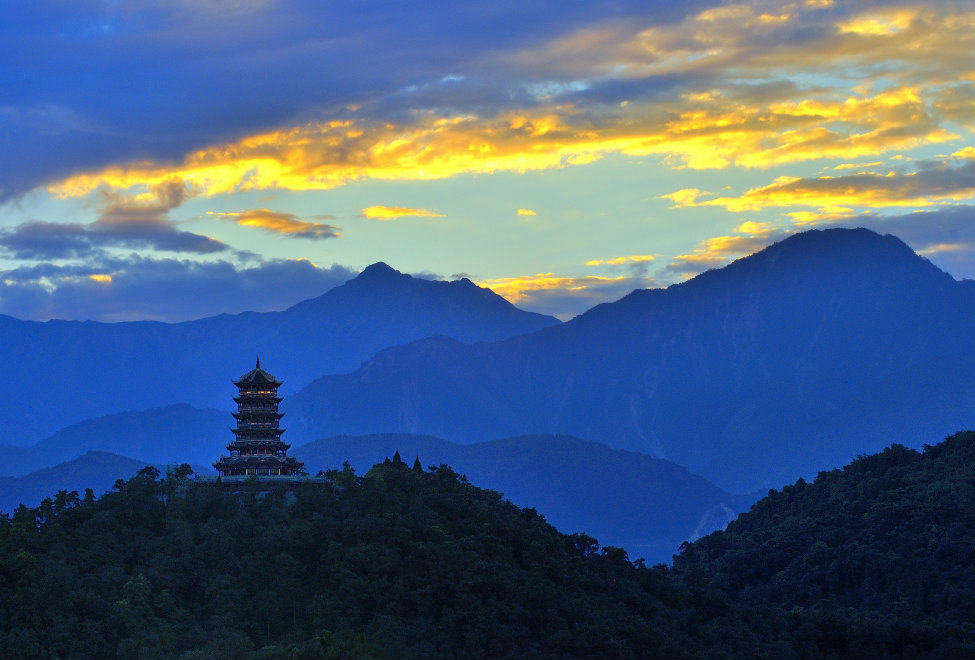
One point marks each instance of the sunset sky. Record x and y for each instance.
(171, 160)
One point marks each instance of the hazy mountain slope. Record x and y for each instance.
(61, 372)
(174, 434)
(647, 505)
(802, 355)
(15, 461)
(96, 470)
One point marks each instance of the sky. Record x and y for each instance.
(176, 159)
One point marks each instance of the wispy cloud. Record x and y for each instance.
(619, 261)
(125, 221)
(276, 222)
(932, 183)
(395, 212)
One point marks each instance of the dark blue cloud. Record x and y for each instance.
(134, 287)
(54, 240)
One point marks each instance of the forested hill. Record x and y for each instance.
(890, 537)
(407, 562)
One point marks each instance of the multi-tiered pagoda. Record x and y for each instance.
(258, 449)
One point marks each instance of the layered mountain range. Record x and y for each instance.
(798, 357)
(61, 372)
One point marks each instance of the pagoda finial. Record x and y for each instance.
(258, 361)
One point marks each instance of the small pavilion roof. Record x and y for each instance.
(257, 376)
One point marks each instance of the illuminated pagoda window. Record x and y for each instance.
(258, 449)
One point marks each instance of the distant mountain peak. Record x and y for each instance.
(379, 270)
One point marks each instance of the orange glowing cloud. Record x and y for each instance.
(394, 212)
(286, 224)
(517, 289)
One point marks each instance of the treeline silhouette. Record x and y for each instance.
(871, 561)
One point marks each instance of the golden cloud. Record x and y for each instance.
(618, 261)
(394, 212)
(517, 289)
(286, 224)
(933, 184)
(706, 132)
(733, 117)
(716, 251)
(526, 212)
(941, 248)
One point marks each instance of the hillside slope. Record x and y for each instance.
(890, 536)
(646, 505)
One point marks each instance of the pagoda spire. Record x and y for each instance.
(258, 362)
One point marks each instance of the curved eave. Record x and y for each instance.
(257, 415)
(258, 377)
(277, 445)
(270, 434)
(264, 398)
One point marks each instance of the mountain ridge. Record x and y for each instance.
(769, 346)
(145, 364)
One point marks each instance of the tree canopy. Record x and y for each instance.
(407, 562)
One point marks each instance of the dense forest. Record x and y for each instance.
(871, 561)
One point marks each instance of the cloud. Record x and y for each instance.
(285, 224)
(748, 84)
(717, 251)
(564, 296)
(395, 212)
(133, 288)
(183, 90)
(528, 212)
(618, 261)
(703, 131)
(125, 221)
(931, 184)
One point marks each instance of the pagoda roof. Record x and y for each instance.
(258, 376)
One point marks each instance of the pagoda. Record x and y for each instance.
(257, 449)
